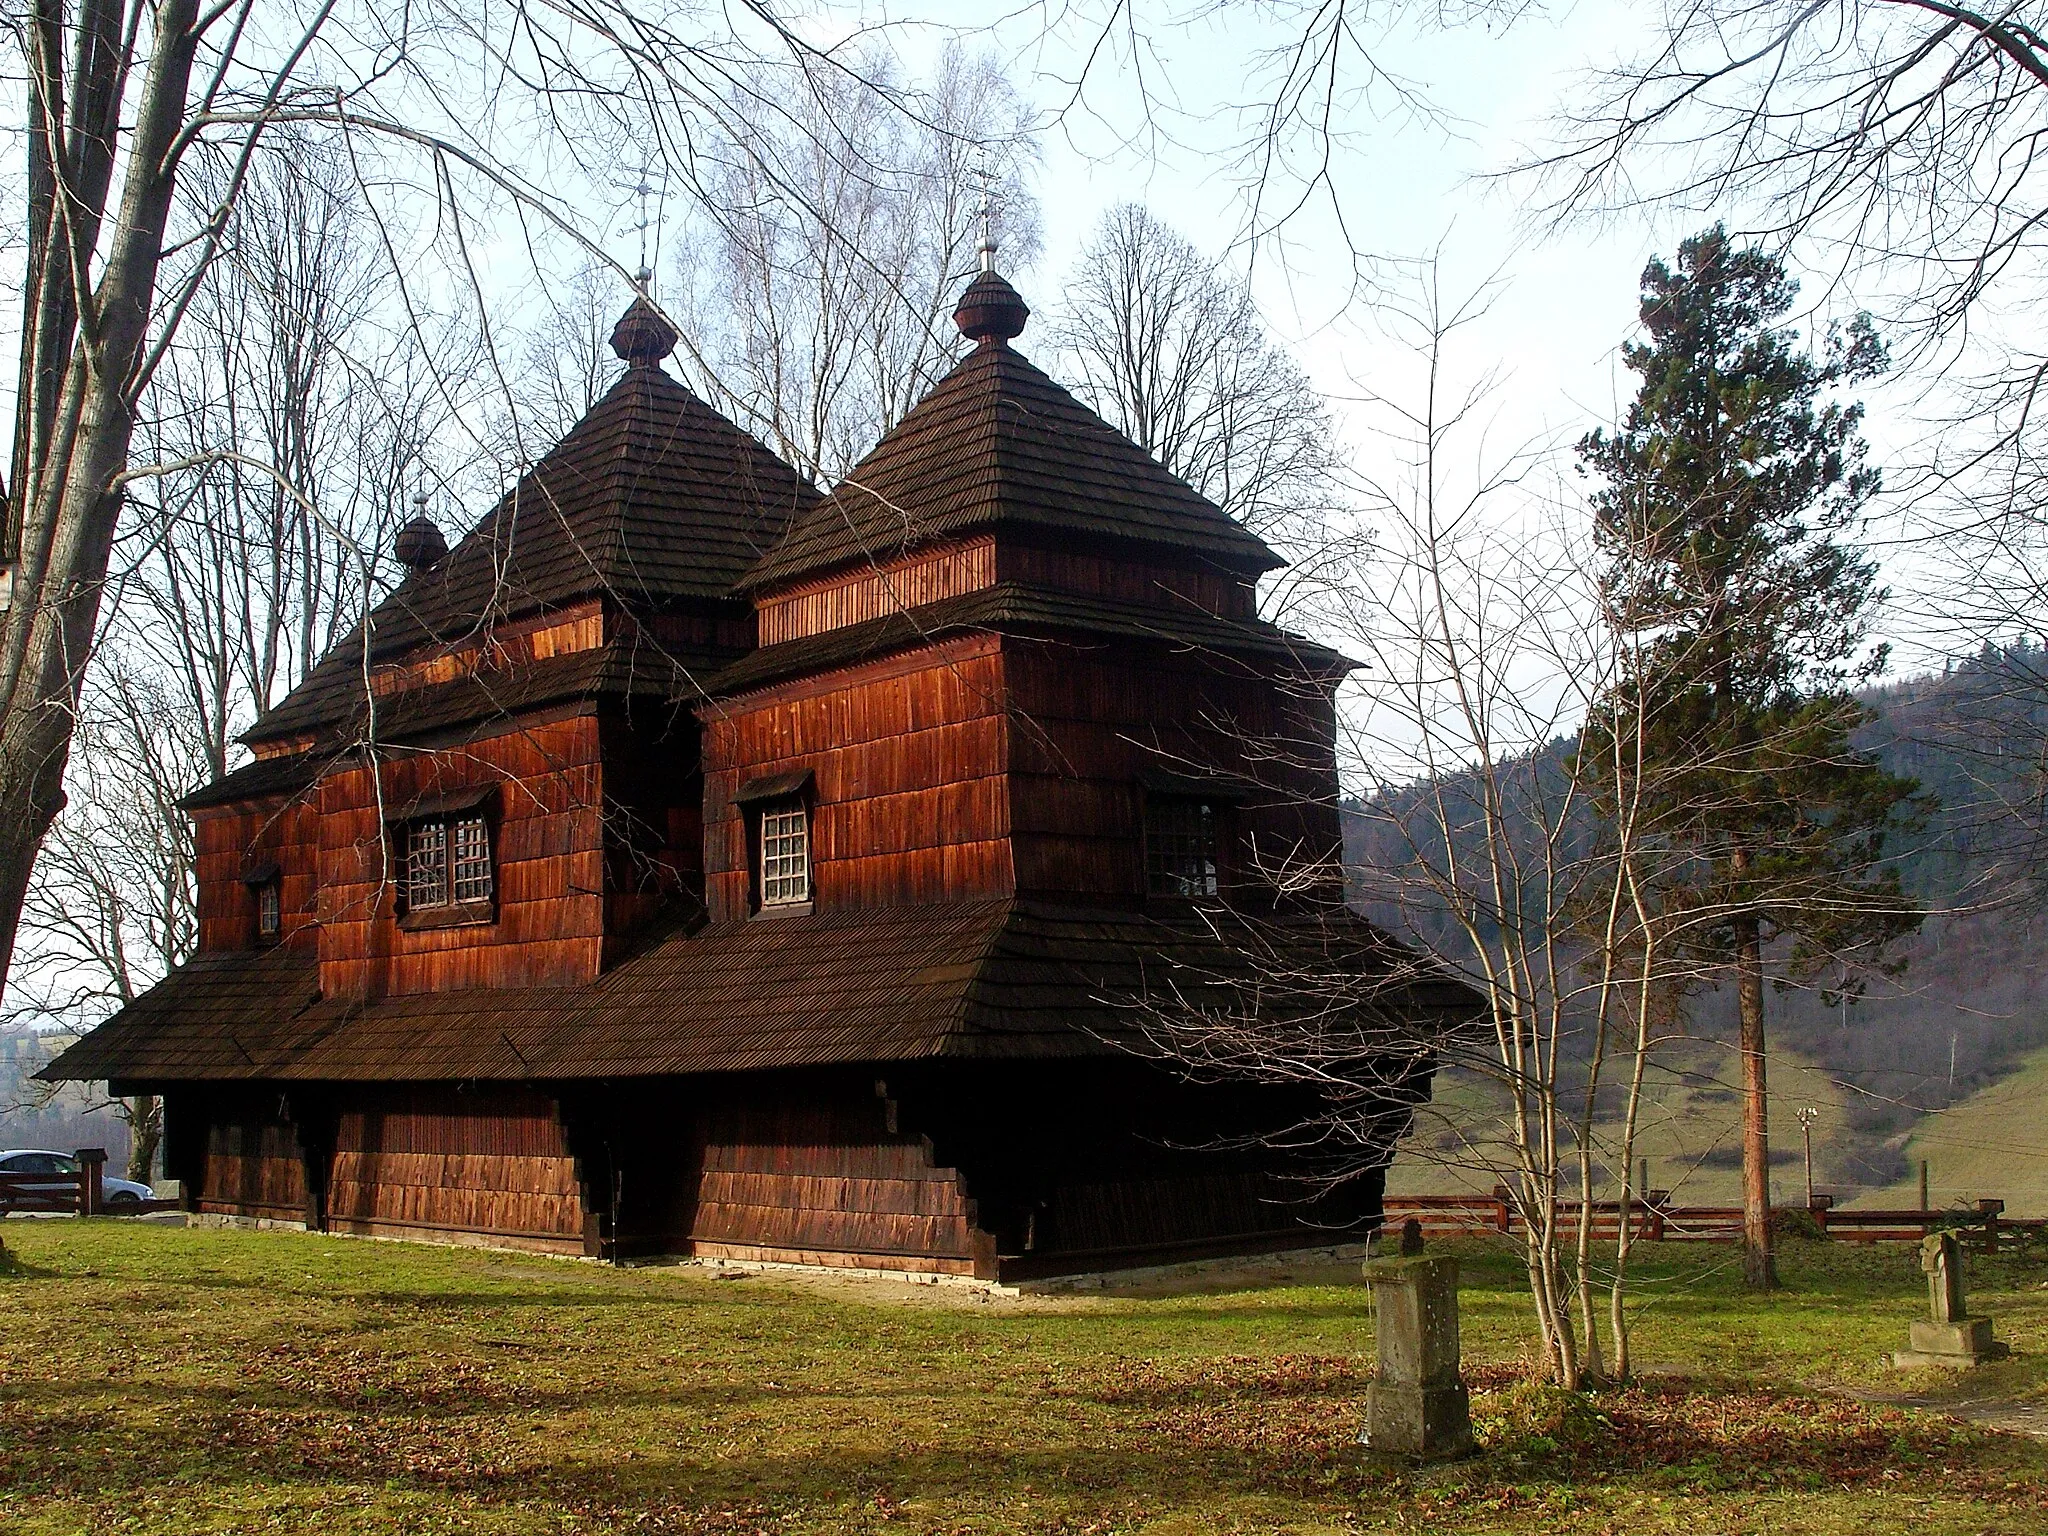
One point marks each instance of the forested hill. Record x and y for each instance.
(1971, 999)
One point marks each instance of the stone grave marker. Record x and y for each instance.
(1950, 1336)
(1417, 1404)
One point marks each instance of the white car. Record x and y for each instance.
(118, 1194)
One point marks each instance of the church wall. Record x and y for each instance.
(1116, 573)
(245, 1158)
(907, 757)
(438, 1163)
(548, 851)
(653, 819)
(232, 841)
(1099, 724)
(850, 597)
(814, 1168)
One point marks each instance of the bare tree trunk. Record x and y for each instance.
(1759, 1268)
(70, 497)
(145, 1135)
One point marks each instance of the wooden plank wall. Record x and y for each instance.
(549, 925)
(437, 1161)
(1090, 725)
(254, 1167)
(653, 818)
(1119, 575)
(230, 841)
(908, 756)
(822, 1177)
(849, 597)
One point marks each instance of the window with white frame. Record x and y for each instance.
(785, 853)
(447, 862)
(269, 909)
(1180, 846)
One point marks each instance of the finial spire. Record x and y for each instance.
(643, 336)
(643, 189)
(988, 212)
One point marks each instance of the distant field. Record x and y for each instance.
(1992, 1143)
(1690, 1130)
(159, 1381)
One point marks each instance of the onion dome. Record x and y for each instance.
(990, 311)
(643, 337)
(420, 544)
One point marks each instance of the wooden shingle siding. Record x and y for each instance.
(232, 841)
(861, 594)
(1100, 726)
(1117, 574)
(906, 767)
(548, 846)
(428, 1162)
(823, 1179)
(254, 1168)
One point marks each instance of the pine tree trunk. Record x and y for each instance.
(1759, 1268)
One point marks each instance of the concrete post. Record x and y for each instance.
(1417, 1404)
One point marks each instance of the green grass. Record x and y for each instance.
(1989, 1144)
(158, 1380)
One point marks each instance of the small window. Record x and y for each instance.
(447, 862)
(1180, 846)
(785, 854)
(269, 909)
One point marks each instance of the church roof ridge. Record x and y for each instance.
(651, 498)
(998, 441)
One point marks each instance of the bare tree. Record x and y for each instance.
(296, 422)
(820, 280)
(1477, 612)
(457, 119)
(1171, 349)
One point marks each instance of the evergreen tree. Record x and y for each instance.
(1724, 496)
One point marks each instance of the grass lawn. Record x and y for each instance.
(158, 1380)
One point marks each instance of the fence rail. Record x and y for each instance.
(1656, 1219)
(70, 1194)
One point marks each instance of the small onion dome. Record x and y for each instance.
(642, 337)
(990, 310)
(419, 544)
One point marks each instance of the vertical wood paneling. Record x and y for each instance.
(549, 849)
(867, 593)
(907, 759)
(489, 1160)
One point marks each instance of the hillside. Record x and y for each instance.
(1967, 1016)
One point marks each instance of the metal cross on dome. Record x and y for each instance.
(987, 178)
(643, 189)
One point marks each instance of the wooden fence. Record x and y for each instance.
(1656, 1219)
(70, 1194)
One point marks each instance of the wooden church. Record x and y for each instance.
(687, 862)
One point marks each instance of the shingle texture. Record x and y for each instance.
(651, 498)
(981, 979)
(997, 442)
(1011, 608)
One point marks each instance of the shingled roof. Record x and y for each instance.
(989, 979)
(998, 442)
(652, 498)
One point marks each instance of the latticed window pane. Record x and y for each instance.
(472, 840)
(1180, 847)
(426, 864)
(268, 911)
(785, 855)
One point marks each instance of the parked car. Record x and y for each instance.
(119, 1194)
